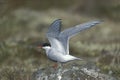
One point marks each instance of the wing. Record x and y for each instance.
(68, 33)
(54, 29)
(52, 35)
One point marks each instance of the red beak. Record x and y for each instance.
(39, 47)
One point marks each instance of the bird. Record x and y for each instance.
(58, 47)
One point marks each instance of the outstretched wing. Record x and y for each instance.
(68, 33)
(54, 29)
(53, 34)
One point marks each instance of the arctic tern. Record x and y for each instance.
(58, 49)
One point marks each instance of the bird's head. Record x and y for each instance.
(45, 46)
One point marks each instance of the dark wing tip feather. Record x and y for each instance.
(56, 21)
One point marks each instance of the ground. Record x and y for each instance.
(23, 28)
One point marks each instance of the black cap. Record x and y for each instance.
(46, 44)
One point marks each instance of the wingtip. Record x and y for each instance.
(98, 21)
(57, 19)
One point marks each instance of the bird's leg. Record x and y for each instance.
(58, 65)
(55, 65)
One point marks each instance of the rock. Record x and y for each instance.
(74, 72)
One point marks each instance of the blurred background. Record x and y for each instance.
(23, 24)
